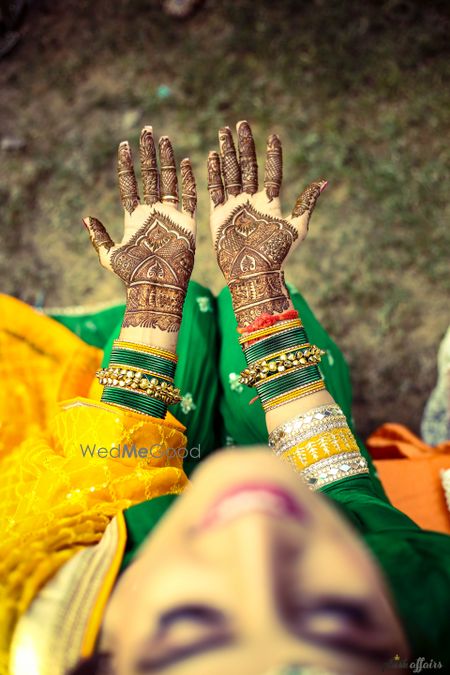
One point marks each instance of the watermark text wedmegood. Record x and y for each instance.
(155, 451)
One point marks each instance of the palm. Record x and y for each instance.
(156, 255)
(251, 236)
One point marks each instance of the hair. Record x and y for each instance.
(97, 664)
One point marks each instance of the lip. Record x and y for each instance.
(250, 497)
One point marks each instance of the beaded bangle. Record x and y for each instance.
(270, 330)
(277, 363)
(162, 389)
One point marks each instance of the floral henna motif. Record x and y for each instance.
(156, 266)
(251, 248)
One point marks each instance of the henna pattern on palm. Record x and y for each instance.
(251, 248)
(156, 265)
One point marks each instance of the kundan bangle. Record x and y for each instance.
(277, 363)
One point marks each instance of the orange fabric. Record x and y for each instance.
(410, 472)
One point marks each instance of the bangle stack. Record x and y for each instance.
(140, 378)
(320, 446)
(282, 365)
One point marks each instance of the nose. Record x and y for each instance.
(264, 552)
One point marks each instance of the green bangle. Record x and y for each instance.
(287, 382)
(276, 343)
(156, 364)
(134, 401)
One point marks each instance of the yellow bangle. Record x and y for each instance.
(276, 328)
(294, 395)
(324, 445)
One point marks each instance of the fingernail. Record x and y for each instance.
(85, 222)
(324, 184)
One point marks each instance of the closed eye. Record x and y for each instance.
(184, 632)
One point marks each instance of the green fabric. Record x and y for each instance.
(416, 563)
(140, 521)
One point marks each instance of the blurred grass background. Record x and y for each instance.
(358, 92)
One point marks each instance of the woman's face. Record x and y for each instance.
(250, 569)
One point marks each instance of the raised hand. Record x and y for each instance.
(250, 234)
(156, 254)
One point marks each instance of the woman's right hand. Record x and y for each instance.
(156, 255)
(251, 236)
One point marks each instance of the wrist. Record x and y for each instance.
(257, 294)
(153, 337)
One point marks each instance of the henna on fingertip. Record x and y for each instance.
(188, 187)
(274, 167)
(98, 234)
(168, 169)
(149, 167)
(308, 198)
(215, 185)
(247, 158)
(127, 180)
(230, 165)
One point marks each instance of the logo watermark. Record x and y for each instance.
(420, 664)
(155, 451)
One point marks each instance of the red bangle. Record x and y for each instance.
(266, 320)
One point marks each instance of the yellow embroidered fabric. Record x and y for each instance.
(55, 500)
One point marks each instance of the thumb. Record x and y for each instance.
(304, 206)
(100, 238)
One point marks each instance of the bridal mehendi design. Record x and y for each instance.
(307, 200)
(127, 180)
(156, 265)
(251, 248)
(274, 167)
(230, 165)
(169, 183)
(188, 189)
(215, 185)
(98, 235)
(149, 169)
(247, 158)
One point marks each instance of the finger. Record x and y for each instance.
(169, 182)
(215, 185)
(127, 180)
(274, 167)
(305, 204)
(149, 167)
(247, 158)
(307, 200)
(230, 165)
(188, 188)
(100, 238)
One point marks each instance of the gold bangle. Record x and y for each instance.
(291, 360)
(276, 328)
(130, 374)
(147, 349)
